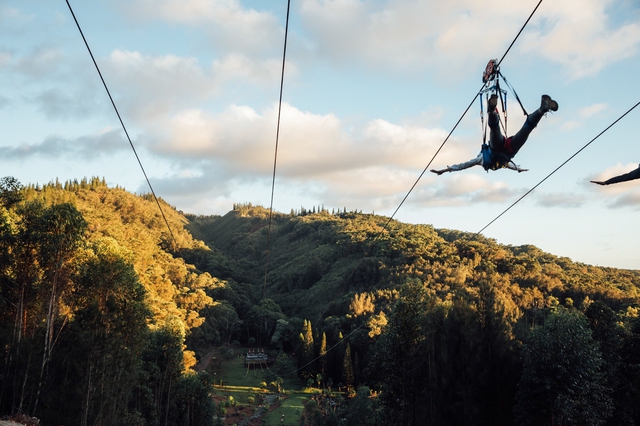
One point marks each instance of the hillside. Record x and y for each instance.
(487, 333)
(96, 306)
(95, 286)
(318, 261)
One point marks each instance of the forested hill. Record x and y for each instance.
(103, 310)
(318, 261)
(446, 328)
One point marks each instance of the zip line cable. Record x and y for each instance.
(558, 168)
(447, 138)
(123, 126)
(519, 32)
(275, 157)
(454, 127)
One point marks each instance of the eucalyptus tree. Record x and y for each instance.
(562, 381)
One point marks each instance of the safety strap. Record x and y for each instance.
(503, 102)
(514, 92)
(483, 127)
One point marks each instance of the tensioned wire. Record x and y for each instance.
(175, 244)
(275, 157)
(414, 185)
(456, 125)
(448, 136)
(558, 168)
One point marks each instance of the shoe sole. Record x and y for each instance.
(551, 104)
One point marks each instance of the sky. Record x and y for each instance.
(371, 90)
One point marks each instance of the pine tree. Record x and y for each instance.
(306, 356)
(347, 369)
(323, 354)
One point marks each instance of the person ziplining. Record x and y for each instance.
(500, 150)
(634, 174)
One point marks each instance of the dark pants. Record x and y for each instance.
(497, 140)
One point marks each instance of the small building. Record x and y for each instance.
(256, 358)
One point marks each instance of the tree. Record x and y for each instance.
(193, 401)
(162, 368)
(60, 230)
(263, 318)
(103, 344)
(311, 415)
(400, 355)
(362, 410)
(305, 363)
(10, 191)
(322, 354)
(620, 359)
(348, 377)
(562, 381)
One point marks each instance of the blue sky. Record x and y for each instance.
(371, 90)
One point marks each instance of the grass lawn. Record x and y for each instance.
(241, 384)
(291, 408)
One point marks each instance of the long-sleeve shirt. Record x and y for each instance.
(479, 161)
(634, 174)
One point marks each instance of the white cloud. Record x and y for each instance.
(165, 84)
(262, 73)
(10, 15)
(84, 147)
(416, 35)
(371, 167)
(160, 83)
(560, 199)
(622, 194)
(310, 145)
(585, 114)
(407, 34)
(231, 26)
(592, 110)
(616, 170)
(462, 189)
(39, 63)
(5, 58)
(581, 36)
(631, 199)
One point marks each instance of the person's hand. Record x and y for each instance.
(439, 172)
(597, 182)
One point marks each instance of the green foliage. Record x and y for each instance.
(348, 377)
(10, 191)
(92, 287)
(562, 380)
(94, 309)
(192, 402)
(306, 357)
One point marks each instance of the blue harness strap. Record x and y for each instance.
(494, 160)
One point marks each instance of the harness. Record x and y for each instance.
(494, 160)
(491, 159)
(491, 80)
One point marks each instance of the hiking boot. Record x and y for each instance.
(492, 103)
(548, 104)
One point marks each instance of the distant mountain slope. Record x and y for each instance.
(318, 261)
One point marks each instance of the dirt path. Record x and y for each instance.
(203, 363)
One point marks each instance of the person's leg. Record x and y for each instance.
(518, 140)
(523, 134)
(496, 138)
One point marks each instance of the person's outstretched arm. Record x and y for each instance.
(513, 166)
(634, 174)
(457, 167)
